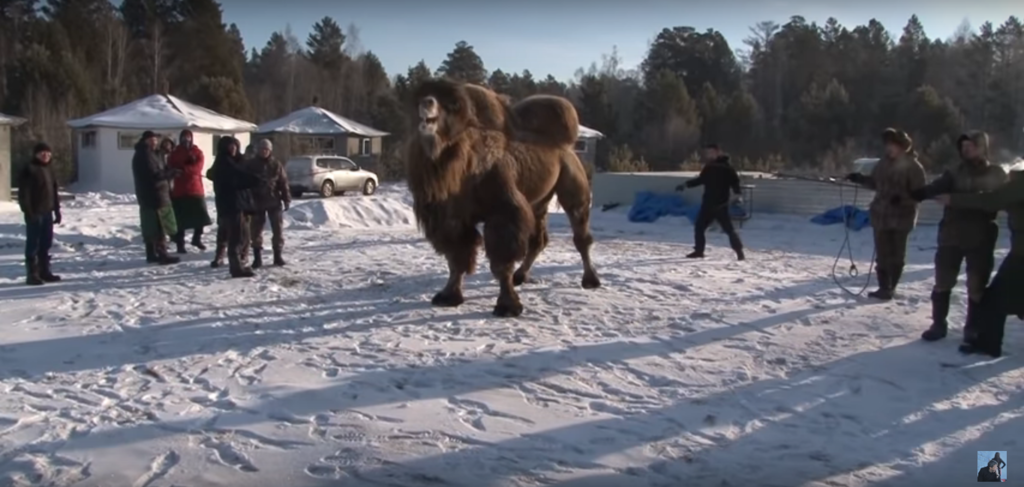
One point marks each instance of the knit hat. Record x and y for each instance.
(41, 147)
(897, 137)
(266, 144)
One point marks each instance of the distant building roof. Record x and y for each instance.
(317, 121)
(10, 120)
(589, 133)
(163, 112)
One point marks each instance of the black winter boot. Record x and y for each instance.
(894, 279)
(218, 257)
(151, 257)
(940, 310)
(32, 273)
(971, 324)
(179, 242)
(695, 255)
(236, 268)
(197, 240)
(44, 271)
(257, 258)
(162, 257)
(278, 260)
(884, 291)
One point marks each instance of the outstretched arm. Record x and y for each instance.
(697, 181)
(942, 185)
(1007, 195)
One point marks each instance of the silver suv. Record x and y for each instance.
(328, 176)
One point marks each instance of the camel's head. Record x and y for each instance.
(443, 111)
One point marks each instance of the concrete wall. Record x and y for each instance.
(784, 196)
(5, 163)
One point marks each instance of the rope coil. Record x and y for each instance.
(852, 272)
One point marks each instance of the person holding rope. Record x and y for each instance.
(719, 179)
(893, 211)
(965, 234)
(1002, 297)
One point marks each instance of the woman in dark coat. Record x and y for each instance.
(232, 186)
(188, 196)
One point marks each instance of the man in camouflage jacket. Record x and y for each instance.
(965, 234)
(273, 198)
(893, 212)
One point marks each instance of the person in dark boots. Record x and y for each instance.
(893, 211)
(153, 195)
(720, 180)
(964, 234)
(227, 149)
(1002, 296)
(233, 187)
(187, 195)
(273, 198)
(40, 203)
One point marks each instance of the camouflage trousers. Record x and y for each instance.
(980, 263)
(891, 249)
(238, 234)
(259, 221)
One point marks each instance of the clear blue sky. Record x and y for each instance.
(560, 36)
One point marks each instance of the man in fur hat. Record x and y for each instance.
(273, 197)
(1002, 296)
(965, 234)
(893, 211)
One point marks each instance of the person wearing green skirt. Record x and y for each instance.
(152, 193)
(188, 197)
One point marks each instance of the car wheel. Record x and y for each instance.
(296, 194)
(369, 187)
(327, 189)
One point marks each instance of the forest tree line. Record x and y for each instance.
(797, 96)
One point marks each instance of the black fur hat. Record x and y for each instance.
(897, 137)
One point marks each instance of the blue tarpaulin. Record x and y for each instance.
(857, 217)
(649, 206)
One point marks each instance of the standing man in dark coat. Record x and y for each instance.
(273, 198)
(1003, 295)
(964, 234)
(720, 180)
(39, 201)
(153, 194)
(233, 194)
(893, 211)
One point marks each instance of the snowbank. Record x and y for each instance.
(378, 211)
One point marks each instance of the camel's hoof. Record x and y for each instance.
(591, 282)
(508, 309)
(447, 299)
(520, 278)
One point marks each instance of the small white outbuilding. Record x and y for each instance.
(6, 122)
(105, 143)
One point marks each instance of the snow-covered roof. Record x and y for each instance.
(315, 120)
(10, 120)
(163, 112)
(589, 133)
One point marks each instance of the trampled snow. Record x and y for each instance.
(335, 370)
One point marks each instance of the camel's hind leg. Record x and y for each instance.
(573, 191)
(506, 240)
(538, 241)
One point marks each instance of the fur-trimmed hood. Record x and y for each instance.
(979, 138)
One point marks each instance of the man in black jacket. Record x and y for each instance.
(39, 201)
(988, 473)
(719, 179)
(153, 195)
(233, 189)
(273, 197)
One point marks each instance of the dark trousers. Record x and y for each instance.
(714, 213)
(222, 236)
(890, 256)
(38, 237)
(197, 234)
(238, 230)
(1001, 299)
(259, 221)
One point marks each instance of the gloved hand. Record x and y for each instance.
(681, 187)
(57, 217)
(192, 159)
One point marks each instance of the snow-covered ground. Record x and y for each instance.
(336, 370)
